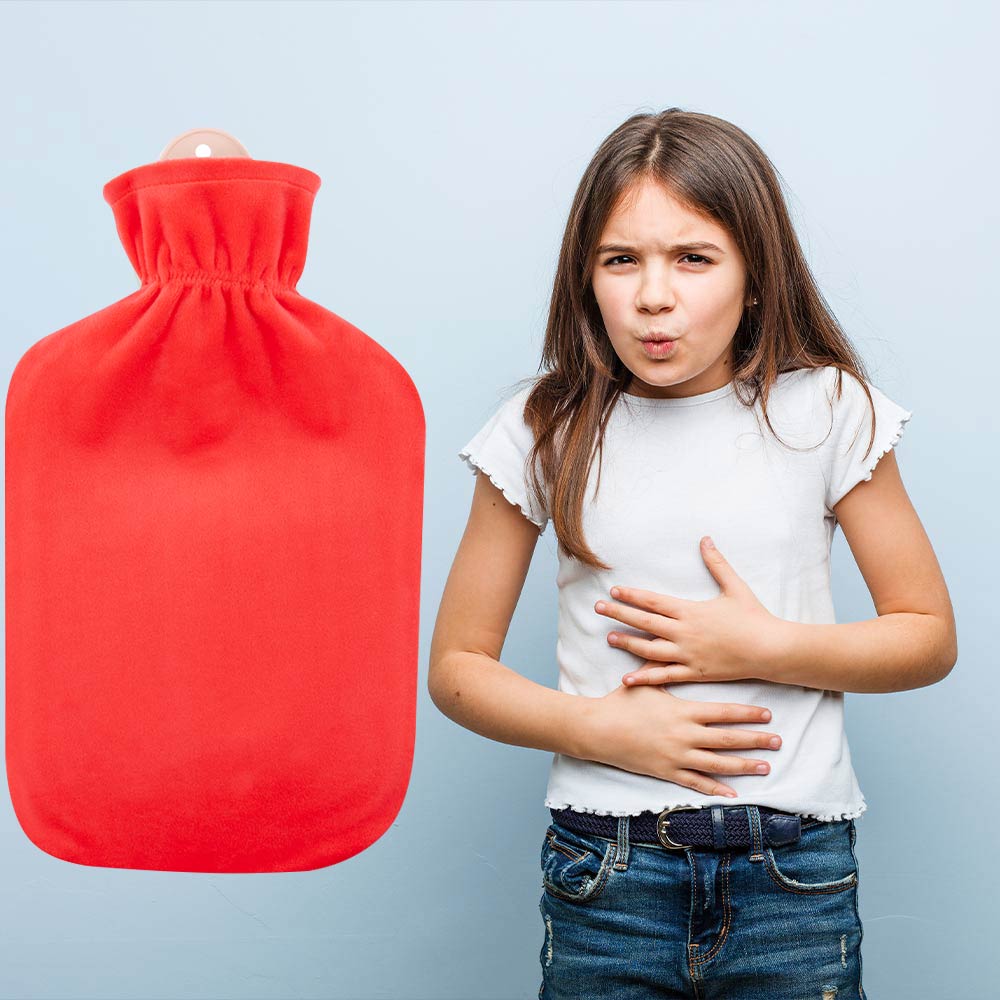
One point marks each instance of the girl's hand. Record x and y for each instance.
(727, 638)
(648, 730)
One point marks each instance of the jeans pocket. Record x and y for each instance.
(575, 866)
(820, 861)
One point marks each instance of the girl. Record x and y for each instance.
(701, 792)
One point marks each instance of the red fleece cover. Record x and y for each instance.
(214, 503)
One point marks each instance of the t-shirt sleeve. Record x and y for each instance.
(500, 450)
(847, 458)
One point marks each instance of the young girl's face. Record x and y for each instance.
(652, 276)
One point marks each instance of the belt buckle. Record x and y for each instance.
(662, 823)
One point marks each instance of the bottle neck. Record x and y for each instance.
(215, 220)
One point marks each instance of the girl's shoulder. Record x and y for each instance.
(499, 449)
(832, 395)
(853, 433)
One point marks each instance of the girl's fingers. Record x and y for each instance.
(701, 783)
(705, 760)
(674, 674)
(650, 649)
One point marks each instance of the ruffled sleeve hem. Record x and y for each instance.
(848, 459)
(476, 464)
(877, 452)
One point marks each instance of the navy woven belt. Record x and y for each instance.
(715, 826)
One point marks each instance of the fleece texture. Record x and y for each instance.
(214, 496)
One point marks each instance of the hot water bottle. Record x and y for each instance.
(214, 496)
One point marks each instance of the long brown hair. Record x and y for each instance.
(715, 169)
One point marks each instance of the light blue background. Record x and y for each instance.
(450, 138)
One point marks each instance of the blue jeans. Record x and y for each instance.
(625, 921)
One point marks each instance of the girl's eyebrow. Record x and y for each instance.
(675, 248)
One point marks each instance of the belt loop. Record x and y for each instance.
(756, 835)
(621, 857)
(719, 827)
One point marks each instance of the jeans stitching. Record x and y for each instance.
(595, 887)
(558, 845)
(785, 882)
(726, 912)
(857, 912)
(693, 964)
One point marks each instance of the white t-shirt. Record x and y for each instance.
(674, 470)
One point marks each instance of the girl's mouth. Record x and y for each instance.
(658, 348)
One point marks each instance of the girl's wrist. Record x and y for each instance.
(587, 733)
(776, 647)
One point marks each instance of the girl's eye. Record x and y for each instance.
(699, 260)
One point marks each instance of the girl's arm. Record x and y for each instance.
(466, 681)
(913, 641)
